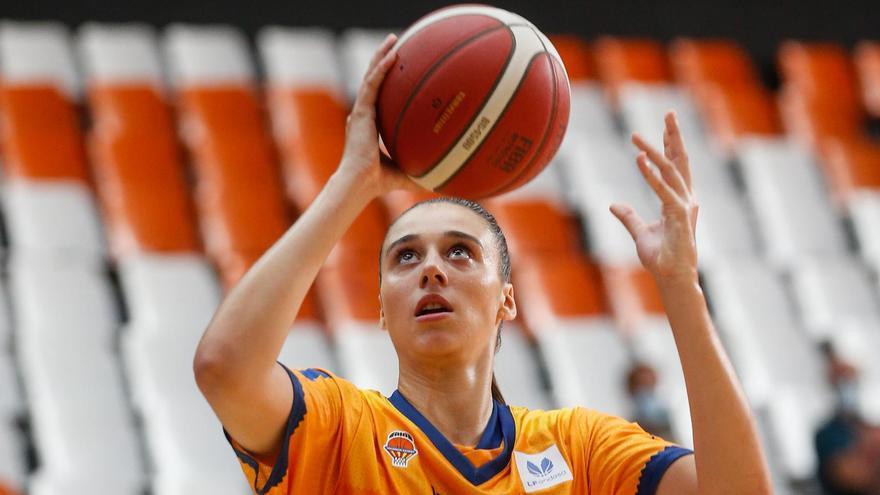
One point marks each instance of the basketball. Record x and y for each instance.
(477, 103)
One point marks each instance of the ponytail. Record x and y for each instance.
(496, 392)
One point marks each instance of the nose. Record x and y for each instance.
(432, 273)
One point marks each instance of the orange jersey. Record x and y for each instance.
(344, 440)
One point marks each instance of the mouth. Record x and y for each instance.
(432, 307)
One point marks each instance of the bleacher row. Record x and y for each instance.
(145, 172)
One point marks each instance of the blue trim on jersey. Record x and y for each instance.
(492, 436)
(313, 374)
(477, 476)
(297, 412)
(656, 466)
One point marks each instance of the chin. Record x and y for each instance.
(439, 341)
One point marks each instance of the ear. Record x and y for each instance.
(507, 310)
(382, 315)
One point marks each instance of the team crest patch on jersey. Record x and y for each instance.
(542, 470)
(401, 448)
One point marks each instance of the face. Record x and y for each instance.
(442, 294)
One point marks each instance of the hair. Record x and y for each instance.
(500, 245)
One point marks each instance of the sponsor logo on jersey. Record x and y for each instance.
(401, 448)
(542, 470)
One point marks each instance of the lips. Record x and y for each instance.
(432, 304)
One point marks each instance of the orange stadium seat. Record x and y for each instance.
(851, 165)
(698, 62)
(632, 295)
(577, 57)
(559, 286)
(735, 112)
(239, 194)
(349, 289)
(41, 136)
(537, 227)
(310, 129)
(620, 60)
(139, 173)
(867, 59)
(819, 97)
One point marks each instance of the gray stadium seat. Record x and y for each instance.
(38, 52)
(517, 372)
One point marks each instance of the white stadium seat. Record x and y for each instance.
(38, 52)
(643, 107)
(357, 47)
(791, 205)
(53, 220)
(300, 57)
(864, 210)
(207, 55)
(578, 350)
(120, 53)
(780, 367)
(516, 370)
(366, 356)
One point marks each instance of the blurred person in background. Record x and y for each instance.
(649, 411)
(848, 447)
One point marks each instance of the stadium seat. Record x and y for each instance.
(239, 194)
(183, 436)
(780, 368)
(563, 306)
(167, 292)
(308, 107)
(850, 166)
(791, 205)
(632, 296)
(864, 208)
(706, 61)
(537, 227)
(357, 47)
(590, 113)
(867, 60)
(11, 401)
(517, 372)
(621, 60)
(32, 52)
(13, 471)
(819, 97)
(53, 220)
(833, 290)
(139, 174)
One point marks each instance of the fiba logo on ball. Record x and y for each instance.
(401, 448)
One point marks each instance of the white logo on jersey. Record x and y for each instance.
(542, 470)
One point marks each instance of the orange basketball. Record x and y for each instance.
(477, 103)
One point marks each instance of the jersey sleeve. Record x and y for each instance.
(324, 415)
(622, 458)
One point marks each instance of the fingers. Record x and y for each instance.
(628, 217)
(373, 80)
(660, 187)
(380, 53)
(673, 144)
(671, 176)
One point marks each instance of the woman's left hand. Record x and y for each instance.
(666, 247)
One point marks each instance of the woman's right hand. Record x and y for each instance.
(362, 160)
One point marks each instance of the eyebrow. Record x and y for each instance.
(448, 233)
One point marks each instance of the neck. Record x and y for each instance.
(457, 400)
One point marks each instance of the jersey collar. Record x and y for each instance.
(500, 426)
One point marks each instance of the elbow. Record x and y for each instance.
(209, 368)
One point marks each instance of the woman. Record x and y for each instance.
(444, 294)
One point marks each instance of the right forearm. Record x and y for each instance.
(258, 311)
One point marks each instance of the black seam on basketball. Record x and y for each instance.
(433, 68)
(547, 131)
(499, 119)
(480, 110)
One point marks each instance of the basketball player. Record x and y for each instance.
(444, 294)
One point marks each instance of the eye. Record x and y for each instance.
(406, 256)
(459, 251)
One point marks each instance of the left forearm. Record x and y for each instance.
(728, 453)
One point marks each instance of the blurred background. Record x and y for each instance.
(152, 152)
